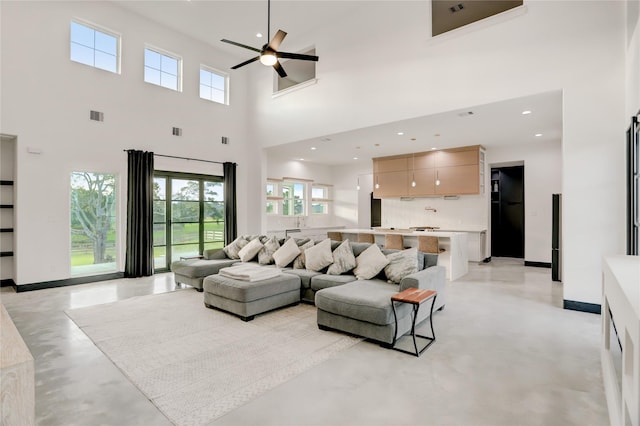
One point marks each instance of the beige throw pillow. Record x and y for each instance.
(232, 249)
(248, 252)
(401, 264)
(318, 256)
(286, 253)
(370, 263)
(343, 259)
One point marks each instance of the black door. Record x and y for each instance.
(507, 212)
(376, 211)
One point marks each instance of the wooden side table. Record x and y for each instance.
(415, 297)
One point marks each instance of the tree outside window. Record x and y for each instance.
(93, 223)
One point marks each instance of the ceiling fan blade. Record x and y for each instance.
(277, 39)
(224, 40)
(279, 69)
(245, 63)
(288, 55)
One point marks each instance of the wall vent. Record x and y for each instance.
(177, 131)
(456, 8)
(96, 115)
(225, 140)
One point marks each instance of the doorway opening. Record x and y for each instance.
(507, 211)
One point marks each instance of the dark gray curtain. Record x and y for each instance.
(230, 213)
(139, 256)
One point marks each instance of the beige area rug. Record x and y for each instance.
(197, 364)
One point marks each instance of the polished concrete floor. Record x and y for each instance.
(506, 354)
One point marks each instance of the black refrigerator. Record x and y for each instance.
(556, 238)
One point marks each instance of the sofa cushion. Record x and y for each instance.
(369, 263)
(299, 261)
(286, 253)
(216, 253)
(364, 300)
(305, 275)
(324, 280)
(319, 256)
(269, 246)
(248, 252)
(343, 259)
(232, 249)
(198, 268)
(401, 264)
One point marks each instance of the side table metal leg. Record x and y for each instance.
(413, 328)
(395, 321)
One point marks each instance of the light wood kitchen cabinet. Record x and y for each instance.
(458, 180)
(425, 183)
(390, 184)
(390, 176)
(457, 170)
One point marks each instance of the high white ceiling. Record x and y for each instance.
(490, 125)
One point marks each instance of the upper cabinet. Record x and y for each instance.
(455, 171)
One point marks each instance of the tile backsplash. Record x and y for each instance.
(468, 211)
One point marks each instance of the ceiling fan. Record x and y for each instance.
(269, 54)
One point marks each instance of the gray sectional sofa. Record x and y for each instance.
(345, 303)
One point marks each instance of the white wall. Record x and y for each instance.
(542, 178)
(633, 57)
(537, 51)
(46, 100)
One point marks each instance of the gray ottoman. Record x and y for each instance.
(246, 298)
(193, 271)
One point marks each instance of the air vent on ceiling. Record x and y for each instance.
(225, 140)
(177, 131)
(456, 8)
(96, 115)
(465, 113)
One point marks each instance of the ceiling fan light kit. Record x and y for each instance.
(269, 54)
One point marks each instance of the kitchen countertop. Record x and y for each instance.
(403, 232)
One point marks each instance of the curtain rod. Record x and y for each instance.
(182, 158)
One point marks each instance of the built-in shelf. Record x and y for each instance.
(6, 253)
(6, 229)
(6, 182)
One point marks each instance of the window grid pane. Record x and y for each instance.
(161, 70)
(93, 47)
(212, 86)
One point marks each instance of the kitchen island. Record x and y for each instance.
(455, 257)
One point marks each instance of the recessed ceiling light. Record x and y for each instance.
(357, 147)
(538, 135)
(413, 139)
(259, 35)
(301, 159)
(355, 158)
(527, 112)
(313, 148)
(400, 133)
(437, 135)
(433, 149)
(377, 144)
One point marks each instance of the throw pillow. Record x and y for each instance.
(401, 264)
(286, 253)
(300, 260)
(318, 256)
(369, 263)
(232, 249)
(343, 259)
(248, 252)
(265, 255)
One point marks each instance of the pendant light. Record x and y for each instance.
(413, 170)
(377, 184)
(358, 184)
(437, 179)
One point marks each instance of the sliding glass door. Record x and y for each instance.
(188, 216)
